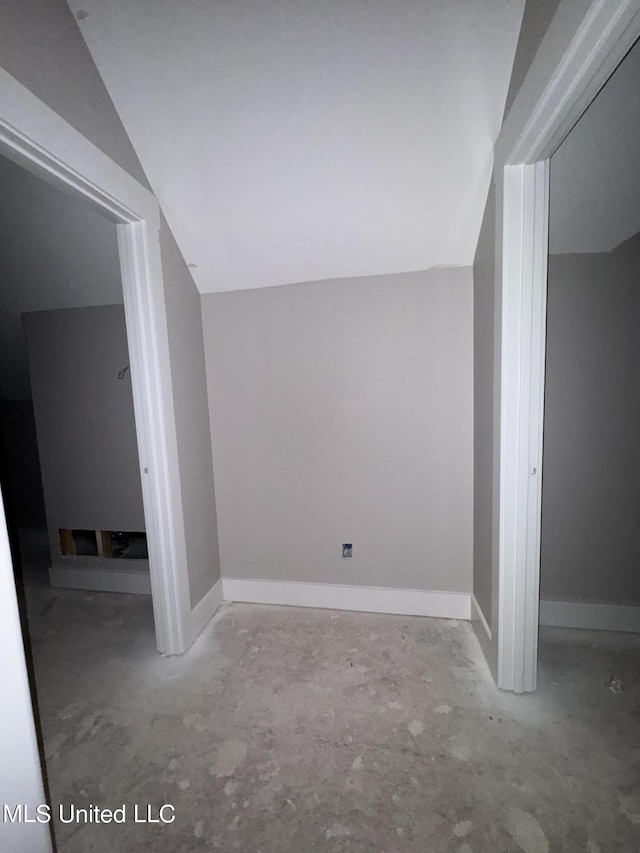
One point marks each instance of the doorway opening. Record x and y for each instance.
(66, 409)
(591, 490)
(34, 137)
(597, 49)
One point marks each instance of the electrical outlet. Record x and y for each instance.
(347, 550)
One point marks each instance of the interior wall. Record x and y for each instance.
(341, 411)
(184, 319)
(483, 355)
(535, 22)
(84, 417)
(41, 46)
(591, 492)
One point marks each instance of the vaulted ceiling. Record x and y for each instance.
(297, 140)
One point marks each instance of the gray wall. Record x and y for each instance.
(341, 411)
(84, 419)
(591, 492)
(184, 318)
(41, 46)
(535, 22)
(483, 354)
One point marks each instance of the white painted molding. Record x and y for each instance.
(100, 580)
(598, 617)
(205, 609)
(366, 599)
(478, 616)
(524, 289)
(21, 775)
(570, 80)
(36, 137)
(148, 341)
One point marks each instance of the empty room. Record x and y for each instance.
(327, 591)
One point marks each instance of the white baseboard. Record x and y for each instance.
(205, 609)
(600, 617)
(368, 599)
(478, 616)
(101, 580)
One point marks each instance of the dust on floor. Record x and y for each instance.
(298, 730)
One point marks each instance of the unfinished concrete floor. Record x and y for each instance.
(308, 730)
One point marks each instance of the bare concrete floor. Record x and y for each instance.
(310, 730)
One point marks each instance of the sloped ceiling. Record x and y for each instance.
(297, 140)
(595, 173)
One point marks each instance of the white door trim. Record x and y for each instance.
(523, 323)
(605, 35)
(21, 777)
(37, 138)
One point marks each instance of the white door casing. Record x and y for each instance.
(604, 36)
(20, 772)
